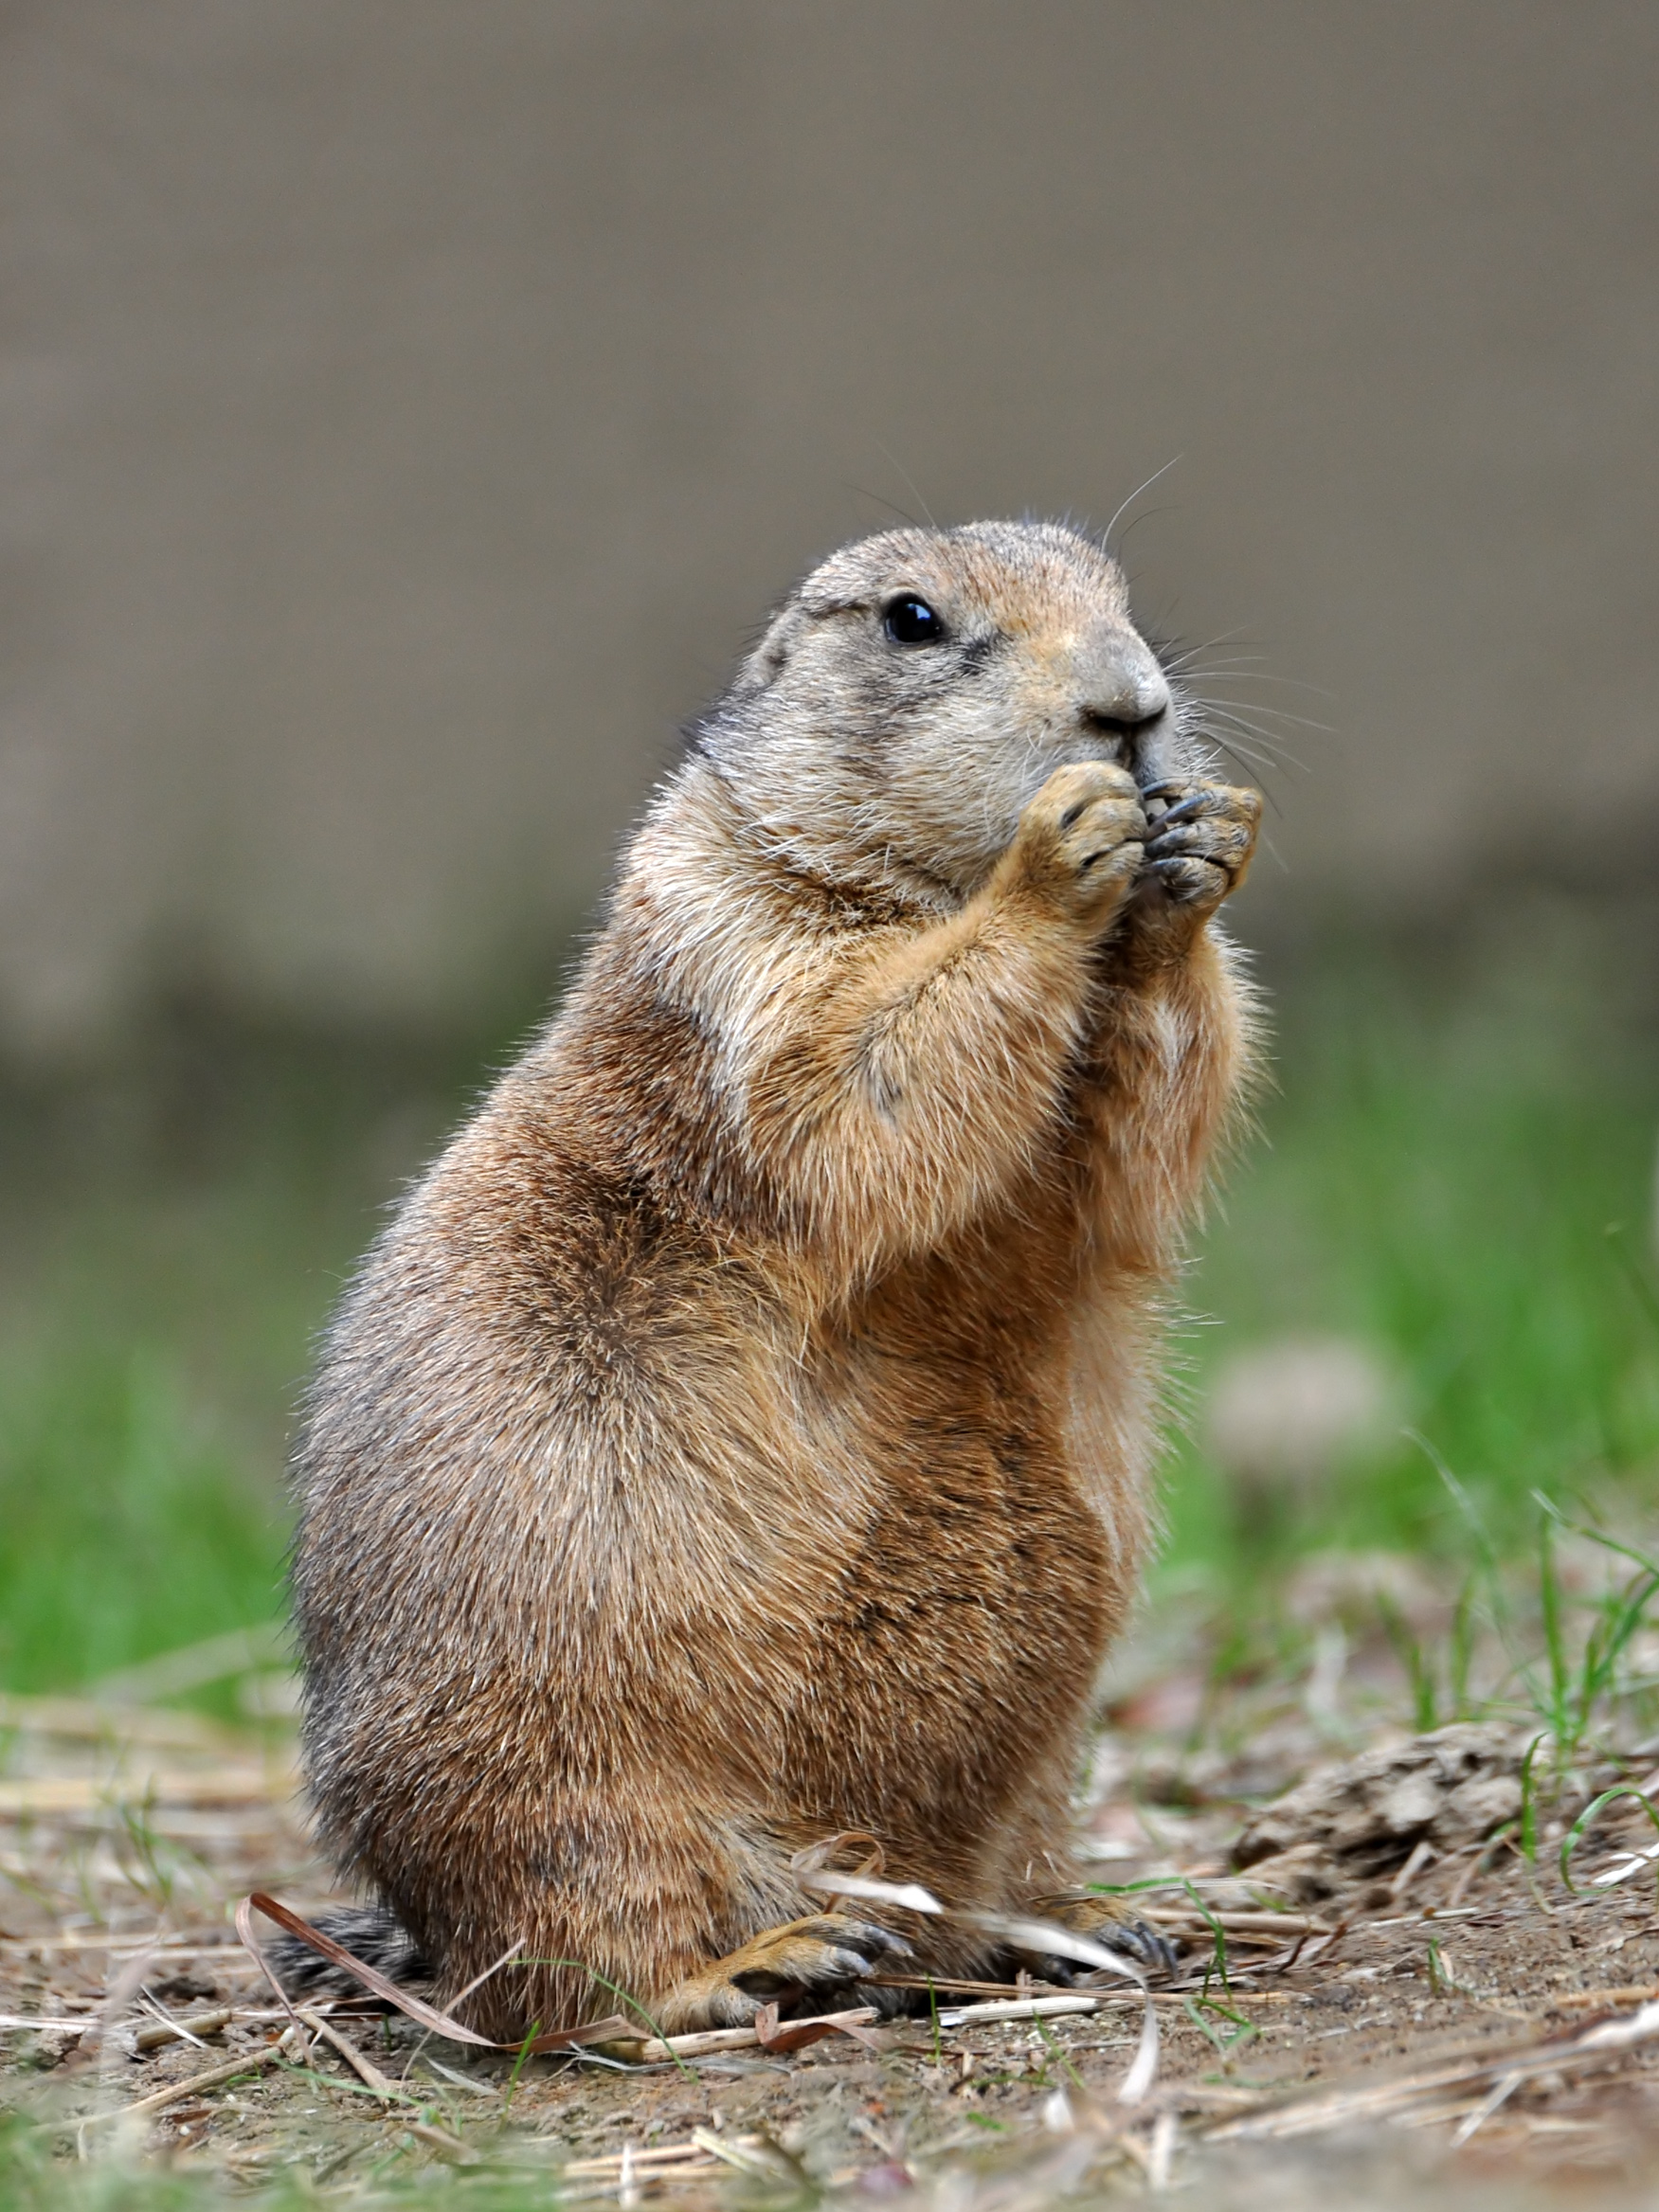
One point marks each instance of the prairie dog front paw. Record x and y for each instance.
(1199, 849)
(1080, 844)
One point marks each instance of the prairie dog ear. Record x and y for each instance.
(770, 656)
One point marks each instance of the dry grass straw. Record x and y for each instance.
(90, 1720)
(49, 1796)
(663, 2158)
(286, 2048)
(767, 2033)
(1426, 2089)
(360, 2063)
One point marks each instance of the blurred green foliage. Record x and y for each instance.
(1455, 1167)
(130, 1527)
(172, 1232)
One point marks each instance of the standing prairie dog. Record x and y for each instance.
(742, 1435)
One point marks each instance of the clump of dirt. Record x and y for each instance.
(1452, 1786)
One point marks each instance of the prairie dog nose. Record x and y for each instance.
(1121, 686)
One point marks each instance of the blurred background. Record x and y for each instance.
(409, 410)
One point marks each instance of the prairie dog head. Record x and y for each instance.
(916, 690)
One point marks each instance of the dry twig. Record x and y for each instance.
(285, 2048)
(1400, 2097)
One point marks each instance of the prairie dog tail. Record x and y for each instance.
(369, 1933)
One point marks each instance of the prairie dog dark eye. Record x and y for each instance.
(909, 620)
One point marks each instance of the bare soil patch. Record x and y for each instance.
(1384, 1976)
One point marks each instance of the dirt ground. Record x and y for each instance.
(1399, 1989)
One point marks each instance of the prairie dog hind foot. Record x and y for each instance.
(816, 1959)
(1112, 1923)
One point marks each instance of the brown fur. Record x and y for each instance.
(743, 1432)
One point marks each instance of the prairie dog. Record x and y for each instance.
(742, 1435)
